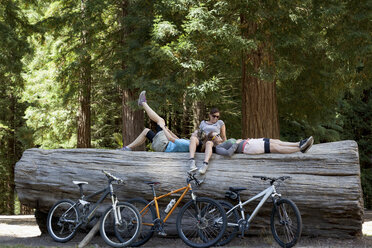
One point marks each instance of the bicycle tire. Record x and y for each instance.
(128, 228)
(286, 223)
(232, 218)
(148, 216)
(62, 220)
(203, 231)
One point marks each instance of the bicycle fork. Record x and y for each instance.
(115, 201)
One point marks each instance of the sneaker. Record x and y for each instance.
(125, 148)
(142, 98)
(191, 164)
(204, 168)
(307, 144)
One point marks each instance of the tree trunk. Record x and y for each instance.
(133, 120)
(84, 122)
(325, 182)
(259, 105)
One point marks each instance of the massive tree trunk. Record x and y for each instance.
(133, 119)
(325, 182)
(259, 106)
(84, 122)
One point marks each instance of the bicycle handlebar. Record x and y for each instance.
(112, 177)
(272, 179)
(191, 177)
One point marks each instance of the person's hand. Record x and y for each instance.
(239, 140)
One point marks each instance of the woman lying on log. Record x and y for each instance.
(163, 140)
(258, 146)
(214, 124)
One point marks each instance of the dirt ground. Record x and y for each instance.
(22, 231)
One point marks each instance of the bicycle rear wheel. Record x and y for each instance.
(232, 227)
(202, 224)
(62, 220)
(126, 230)
(286, 223)
(148, 216)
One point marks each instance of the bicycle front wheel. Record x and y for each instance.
(125, 229)
(62, 220)
(286, 223)
(201, 223)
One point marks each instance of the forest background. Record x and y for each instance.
(71, 72)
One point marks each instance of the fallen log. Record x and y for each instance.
(325, 182)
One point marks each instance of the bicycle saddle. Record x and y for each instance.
(237, 189)
(151, 183)
(79, 182)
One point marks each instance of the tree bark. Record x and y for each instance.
(84, 116)
(133, 120)
(259, 104)
(325, 183)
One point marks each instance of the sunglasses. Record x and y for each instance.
(215, 136)
(216, 116)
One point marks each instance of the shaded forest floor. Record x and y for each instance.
(22, 231)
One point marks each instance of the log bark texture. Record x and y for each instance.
(325, 182)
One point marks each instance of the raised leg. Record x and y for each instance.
(153, 115)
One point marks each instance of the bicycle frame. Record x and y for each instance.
(265, 194)
(156, 198)
(106, 191)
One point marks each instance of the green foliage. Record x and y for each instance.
(184, 53)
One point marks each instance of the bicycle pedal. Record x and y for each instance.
(162, 233)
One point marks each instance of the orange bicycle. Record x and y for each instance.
(200, 223)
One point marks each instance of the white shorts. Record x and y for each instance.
(254, 146)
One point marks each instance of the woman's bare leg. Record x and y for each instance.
(139, 140)
(153, 115)
(284, 143)
(208, 151)
(276, 148)
(194, 142)
(207, 156)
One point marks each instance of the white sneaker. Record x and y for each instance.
(203, 169)
(191, 164)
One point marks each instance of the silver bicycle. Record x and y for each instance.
(285, 221)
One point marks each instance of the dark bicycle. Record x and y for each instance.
(120, 223)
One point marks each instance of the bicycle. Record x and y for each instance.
(120, 223)
(285, 220)
(200, 223)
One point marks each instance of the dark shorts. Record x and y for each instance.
(199, 147)
(151, 134)
(267, 145)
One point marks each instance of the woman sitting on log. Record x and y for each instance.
(214, 124)
(258, 146)
(163, 140)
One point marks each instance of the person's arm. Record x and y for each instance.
(223, 132)
(170, 136)
(171, 133)
(221, 150)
